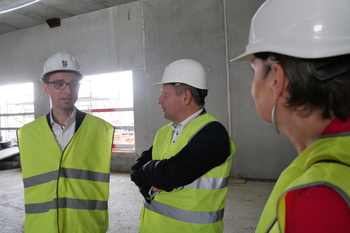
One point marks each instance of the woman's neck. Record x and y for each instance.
(301, 130)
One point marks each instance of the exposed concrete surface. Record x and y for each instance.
(145, 36)
(244, 204)
(122, 161)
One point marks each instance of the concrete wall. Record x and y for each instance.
(145, 36)
(261, 152)
(174, 30)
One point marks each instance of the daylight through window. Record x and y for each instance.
(16, 108)
(110, 97)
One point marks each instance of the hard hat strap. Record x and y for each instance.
(333, 68)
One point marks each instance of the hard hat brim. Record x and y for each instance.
(46, 74)
(158, 84)
(243, 57)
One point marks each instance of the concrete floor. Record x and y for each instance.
(244, 204)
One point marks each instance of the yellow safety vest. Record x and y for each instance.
(326, 162)
(196, 207)
(66, 191)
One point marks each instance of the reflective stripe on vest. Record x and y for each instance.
(66, 173)
(184, 215)
(208, 183)
(65, 203)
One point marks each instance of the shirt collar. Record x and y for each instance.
(69, 121)
(187, 120)
(337, 126)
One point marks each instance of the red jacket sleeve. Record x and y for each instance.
(316, 209)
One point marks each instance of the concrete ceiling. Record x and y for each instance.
(35, 12)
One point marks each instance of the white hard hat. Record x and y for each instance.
(61, 61)
(185, 71)
(300, 28)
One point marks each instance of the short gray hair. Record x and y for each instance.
(197, 94)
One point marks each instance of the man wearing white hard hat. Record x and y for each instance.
(300, 54)
(184, 175)
(65, 158)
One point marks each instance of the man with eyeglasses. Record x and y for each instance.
(65, 158)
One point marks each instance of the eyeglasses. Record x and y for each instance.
(174, 84)
(61, 85)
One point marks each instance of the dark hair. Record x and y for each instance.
(309, 92)
(198, 95)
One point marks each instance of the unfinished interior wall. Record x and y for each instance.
(145, 36)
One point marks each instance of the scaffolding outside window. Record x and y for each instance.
(16, 108)
(110, 97)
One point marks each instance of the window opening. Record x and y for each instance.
(16, 109)
(110, 97)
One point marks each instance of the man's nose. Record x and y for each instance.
(160, 99)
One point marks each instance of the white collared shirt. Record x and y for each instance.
(64, 134)
(180, 127)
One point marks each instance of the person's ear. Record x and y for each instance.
(279, 82)
(46, 88)
(187, 97)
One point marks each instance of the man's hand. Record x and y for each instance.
(155, 190)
